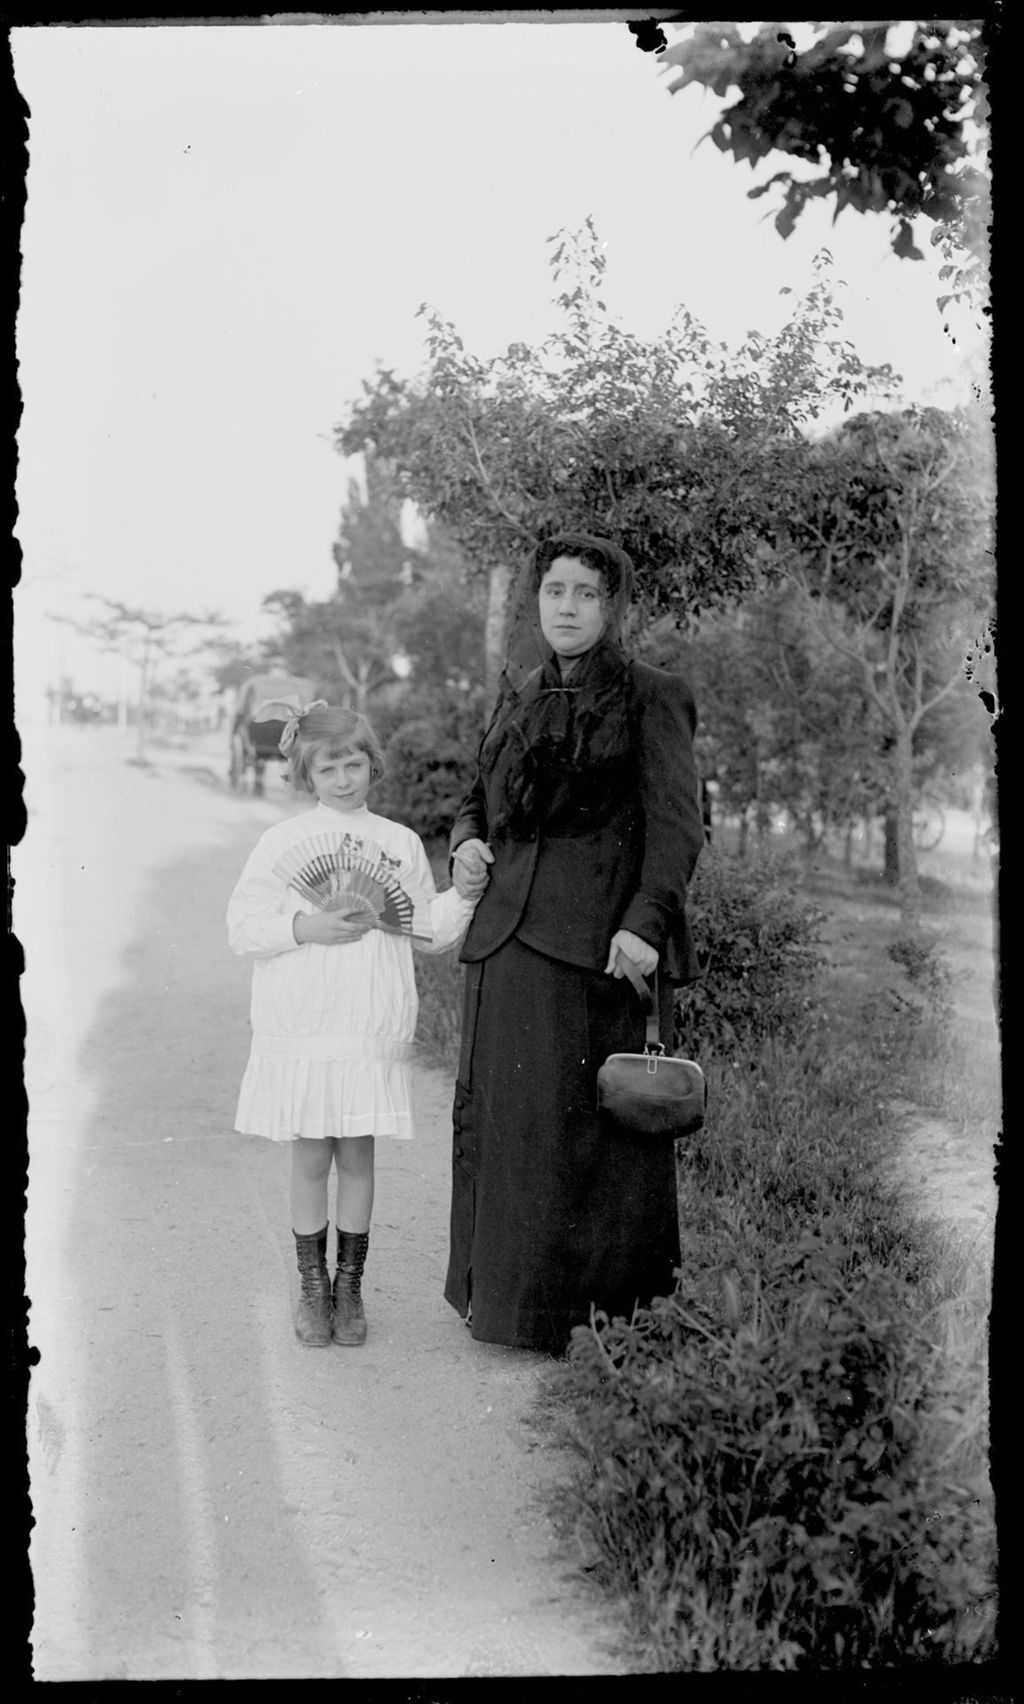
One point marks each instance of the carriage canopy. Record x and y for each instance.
(259, 689)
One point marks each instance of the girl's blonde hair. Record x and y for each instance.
(339, 730)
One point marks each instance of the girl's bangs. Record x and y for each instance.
(331, 748)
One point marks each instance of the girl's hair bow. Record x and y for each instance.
(292, 710)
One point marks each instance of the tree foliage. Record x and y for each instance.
(400, 640)
(786, 724)
(349, 642)
(879, 113)
(144, 636)
(701, 462)
(889, 522)
(657, 443)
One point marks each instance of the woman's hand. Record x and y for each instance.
(469, 868)
(640, 953)
(329, 928)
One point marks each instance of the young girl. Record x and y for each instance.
(333, 1004)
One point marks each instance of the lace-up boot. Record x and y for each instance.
(313, 1314)
(349, 1316)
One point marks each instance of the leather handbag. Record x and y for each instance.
(651, 1093)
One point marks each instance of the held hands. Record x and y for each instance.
(639, 952)
(328, 928)
(469, 868)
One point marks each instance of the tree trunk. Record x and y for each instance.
(346, 674)
(744, 834)
(759, 812)
(494, 626)
(810, 838)
(891, 866)
(848, 847)
(903, 799)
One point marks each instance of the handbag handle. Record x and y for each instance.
(648, 999)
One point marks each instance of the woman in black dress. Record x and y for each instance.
(582, 828)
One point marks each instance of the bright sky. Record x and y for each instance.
(228, 226)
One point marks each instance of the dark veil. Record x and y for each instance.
(526, 649)
(548, 728)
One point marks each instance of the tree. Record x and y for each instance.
(372, 557)
(348, 642)
(885, 115)
(403, 622)
(889, 521)
(349, 652)
(143, 636)
(234, 661)
(428, 709)
(659, 444)
(785, 724)
(439, 625)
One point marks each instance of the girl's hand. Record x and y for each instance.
(639, 952)
(329, 928)
(469, 868)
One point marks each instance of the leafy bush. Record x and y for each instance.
(927, 971)
(776, 1469)
(759, 947)
(429, 771)
(760, 1474)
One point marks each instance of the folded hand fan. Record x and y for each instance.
(352, 874)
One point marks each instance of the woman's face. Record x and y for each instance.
(573, 606)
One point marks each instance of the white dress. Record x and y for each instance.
(332, 1026)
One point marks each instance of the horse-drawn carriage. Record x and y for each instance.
(255, 744)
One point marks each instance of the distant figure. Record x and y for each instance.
(581, 832)
(328, 906)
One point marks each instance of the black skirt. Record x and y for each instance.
(555, 1210)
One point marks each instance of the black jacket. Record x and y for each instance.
(568, 889)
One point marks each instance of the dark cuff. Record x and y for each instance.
(643, 916)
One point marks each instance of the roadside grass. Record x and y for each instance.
(785, 1464)
(439, 980)
(954, 1072)
(940, 1057)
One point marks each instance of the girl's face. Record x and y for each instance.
(340, 777)
(573, 613)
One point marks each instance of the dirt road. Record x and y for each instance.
(211, 1499)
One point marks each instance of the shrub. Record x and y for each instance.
(776, 1467)
(429, 772)
(761, 1475)
(760, 952)
(927, 971)
(796, 1141)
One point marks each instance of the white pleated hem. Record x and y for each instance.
(283, 1098)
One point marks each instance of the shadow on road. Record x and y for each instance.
(212, 1499)
(175, 1555)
